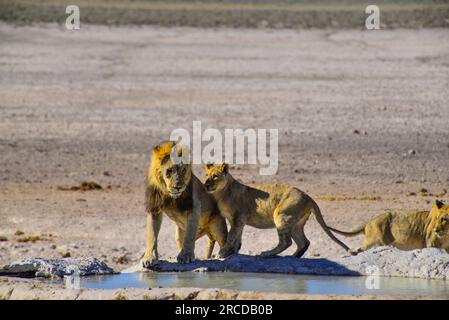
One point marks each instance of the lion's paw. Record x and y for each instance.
(149, 261)
(224, 252)
(185, 257)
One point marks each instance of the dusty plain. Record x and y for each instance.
(363, 120)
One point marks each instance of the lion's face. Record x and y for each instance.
(216, 177)
(175, 177)
(440, 232)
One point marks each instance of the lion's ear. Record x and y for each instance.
(439, 204)
(224, 168)
(163, 148)
(157, 148)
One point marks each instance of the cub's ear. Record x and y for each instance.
(224, 168)
(179, 152)
(439, 204)
(208, 166)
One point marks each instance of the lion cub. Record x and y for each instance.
(406, 230)
(271, 206)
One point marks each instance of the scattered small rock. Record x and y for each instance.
(3, 238)
(19, 233)
(39, 267)
(355, 131)
(66, 255)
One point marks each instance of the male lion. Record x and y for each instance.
(173, 189)
(270, 206)
(406, 230)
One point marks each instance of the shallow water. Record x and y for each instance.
(282, 283)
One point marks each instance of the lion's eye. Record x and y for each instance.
(169, 172)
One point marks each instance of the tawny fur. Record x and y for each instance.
(268, 206)
(174, 190)
(406, 230)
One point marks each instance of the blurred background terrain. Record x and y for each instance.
(234, 13)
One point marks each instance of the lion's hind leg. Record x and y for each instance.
(209, 248)
(284, 235)
(285, 241)
(377, 233)
(300, 239)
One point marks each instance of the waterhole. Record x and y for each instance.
(269, 282)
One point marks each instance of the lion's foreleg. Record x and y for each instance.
(154, 221)
(187, 253)
(179, 237)
(234, 240)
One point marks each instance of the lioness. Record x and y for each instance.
(406, 230)
(270, 206)
(174, 190)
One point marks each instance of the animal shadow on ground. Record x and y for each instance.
(247, 263)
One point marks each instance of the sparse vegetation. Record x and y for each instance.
(32, 239)
(347, 198)
(84, 186)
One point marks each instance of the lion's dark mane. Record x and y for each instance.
(156, 200)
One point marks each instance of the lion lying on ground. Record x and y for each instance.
(406, 230)
(174, 190)
(271, 206)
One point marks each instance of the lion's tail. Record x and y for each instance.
(352, 233)
(319, 217)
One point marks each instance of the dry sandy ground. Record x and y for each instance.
(88, 105)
